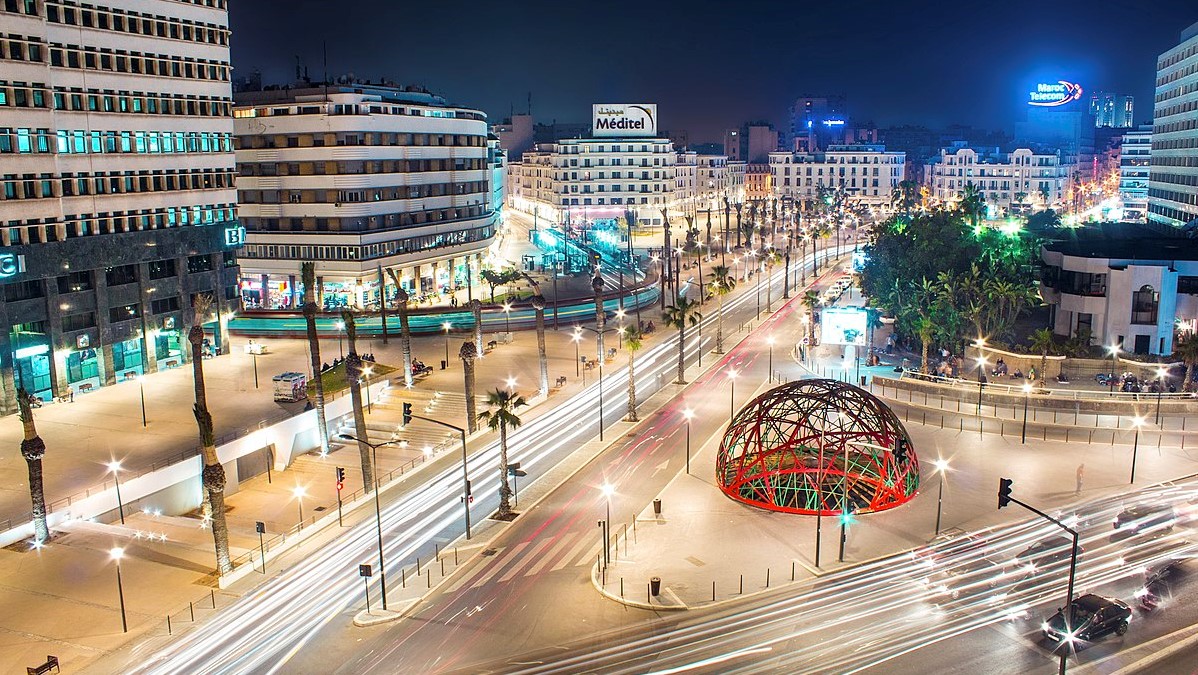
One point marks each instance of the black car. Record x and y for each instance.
(1163, 579)
(1093, 617)
(1046, 553)
(1145, 518)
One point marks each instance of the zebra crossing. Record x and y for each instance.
(530, 558)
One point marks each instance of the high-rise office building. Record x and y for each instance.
(118, 204)
(1173, 179)
(1134, 158)
(1113, 110)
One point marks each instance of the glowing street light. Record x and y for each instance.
(340, 333)
(688, 414)
(1160, 388)
(1136, 422)
(941, 466)
(299, 492)
(607, 490)
(1114, 352)
(115, 467)
(507, 319)
(981, 381)
(1027, 391)
(116, 553)
(577, 338)
(445, 327)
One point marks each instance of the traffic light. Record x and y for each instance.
(1004, 492)
(900, 451)
(469, 494)
(407, 414)
(340, 479)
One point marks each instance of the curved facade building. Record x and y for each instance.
(360, 179)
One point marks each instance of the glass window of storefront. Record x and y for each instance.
(83, 367)
(167, 347)
(126, 359)
(31, 359)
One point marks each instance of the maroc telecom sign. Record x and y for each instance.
(624, 119)
(1047, 95)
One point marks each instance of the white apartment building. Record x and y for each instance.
(1173, 184)
(1134, 157)
(1009, 181)
(867, 173)
(116, 189)
(361, 179)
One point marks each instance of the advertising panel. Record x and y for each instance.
(1052, 94)
(843, 326)
(624, 119)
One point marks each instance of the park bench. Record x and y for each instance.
(51, 664)
(561, 382)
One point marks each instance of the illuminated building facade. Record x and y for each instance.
(867, 173)
(1173, 183)
(1134, 158)
(1113, 110)
(118, 197)
(1010, 181)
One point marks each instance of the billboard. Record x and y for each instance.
(843, 326)
(624, 119)
(1051, 94)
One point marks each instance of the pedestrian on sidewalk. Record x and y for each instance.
(1081, 475)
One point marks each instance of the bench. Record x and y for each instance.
(561, 382)
(50, 664)
(491, 345)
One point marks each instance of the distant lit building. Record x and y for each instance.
(516, 135)
(1173, 182)
(759, 182)
(1134, 159)
(1113, 110)
(1009, 181)
(752, 143)
(866, 173)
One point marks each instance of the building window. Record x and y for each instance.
(161, 269)
(1144, 304)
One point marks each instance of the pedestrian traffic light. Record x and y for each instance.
(469, 494)
(900, 451)
(340, 479)
(407, 414)
(1004, 492)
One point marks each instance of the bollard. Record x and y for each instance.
(430, 578)
(655, 586)
(742, 584)
(403, 577)
(191, 608)
(621, 587)
(442, 566)
(168, 625)
(437, 550)
(792, 570)
(961, 424)
(648, 594)
(767, 577)
(213, 594)
(713, 591)
(455, 556)
(657, 507)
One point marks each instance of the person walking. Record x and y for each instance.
(1081, 475)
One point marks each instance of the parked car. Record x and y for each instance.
(1167, 576)
(1047, 552)
(1145, 518)
(951, 582)
(1093, 617)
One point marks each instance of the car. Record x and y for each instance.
(1047, 552)
(1164, 578)
(946, 545)
(1093, 617)
(1145, 518)
(951, 582)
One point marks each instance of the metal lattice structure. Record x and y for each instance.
(811, 446)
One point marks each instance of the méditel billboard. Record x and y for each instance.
(624, 119)
(843, 326)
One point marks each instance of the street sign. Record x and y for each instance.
(260, 527)
(365, 571)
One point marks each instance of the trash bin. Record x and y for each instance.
(655, 586)
(444, 364)
(657, 507)
(862, 378)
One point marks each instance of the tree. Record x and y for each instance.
(538, 304)
(684, 311)
(812, 301)
(468, 354)
(502, 415)
(33, 448)
(667, 255)
(213, 476)
(632, 344)
(1042, 341)
(973, 204)
(308, 274)
(600, 315)
(722, 283)
(496, 278)
(925, 328)
(768, 260)
(476, 308)
(353, 375)
(405, 331)
(1186, 349)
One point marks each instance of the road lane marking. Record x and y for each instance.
(530, 558)
(563, 540)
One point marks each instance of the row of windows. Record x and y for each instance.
(574, 149)
(1171, 213)
(1191, 122)
(360, 167)
(960, 185)
(586, 201)
(386, 249)
(1190, 198)
(1175, 92)
(819, 171)
(657, 187)
(1174, 178)
(1179, 56)
(137, 24)
(19, 48)
(250, 142)
(37, 95)
(1185, 143)
(16, 232)
(49, 186)
(162, 65)
(356, 109)
(1187, 160)
(20, 7)
(367, 195)
(78, 141)
(1022, 160)
(1178, 109)
(1177, 74)
(365, 223)
(864, 182)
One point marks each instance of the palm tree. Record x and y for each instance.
(812, 302)
(926, 329)
(33, 448)
(666, 255)
(468, 354)
(600, 316)
(383, 302)
(1187, 349)
(476, 308)
(632, 343)
(769, 259)
(973, 203)
(503, 415)
(213, 477)
(401, 299)
(353, 375)
(538, 304)
(683, 312)
(722, 283)
(1042, 341)
(308, 274)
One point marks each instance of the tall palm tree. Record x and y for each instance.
(1187, 349)
(476, 308)
(213, 477)
(308, 274)
(538, 304)
(683, 312)
(405, 339)
(925, 327)
(1042, 341)
(632, 343)
(383, 302)
(353, 376)
(33, 448)
(666, 255)
(973, 203)
(722, 283)
(812, 302)
(468, 354)
(769, 259)
(502, 415)
(600, 315)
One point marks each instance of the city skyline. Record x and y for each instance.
(703, 88)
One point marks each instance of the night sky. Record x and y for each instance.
(713, 65)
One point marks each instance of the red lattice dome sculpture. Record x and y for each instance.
(811, 446)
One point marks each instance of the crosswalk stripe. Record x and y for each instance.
(564, 539)
(584, 542)
(513, 555)
(475, 575)
(531, 557)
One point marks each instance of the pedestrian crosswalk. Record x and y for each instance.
(530, 558)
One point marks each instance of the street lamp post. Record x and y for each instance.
(141, 384)
(1027, 390)
(689, 415)
(299, 492)
(1135, 448)
(941, 467)
(116, 554)
(1114, 350)
(598, 334)
(115, 467)
(731, 394)
(445, 326)
(378, 512)
(366, 374)
(608, 490)
(770, 341)
(507, 320)
(577, 338)
(981, 382)
(1160, 388)
(340, 334)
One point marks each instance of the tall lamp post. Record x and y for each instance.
(732, 394)
(577, 338)
(1027, 391)
(981, 383)
(340, 334)
(378, 512)
(941, 467)
(1136, 422)
(507, 319)
(1160, 388)
(445, 327)
(141, 383)
(366, 375)
(1114, 351)
(608, 490)
(299, 492)
(115, 467)
(770, 341)
(688, 414)
(116, 554)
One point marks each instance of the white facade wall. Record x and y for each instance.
(1001, 178)
(1173, 185)
(867, 173)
